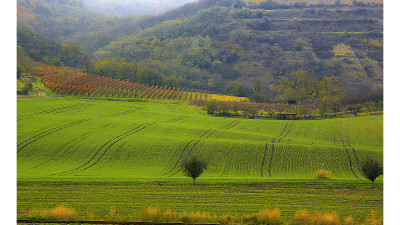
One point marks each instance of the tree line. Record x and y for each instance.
(271, 110)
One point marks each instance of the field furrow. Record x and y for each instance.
(348, 155)
(55, 110)
(280, 137)
(110, 143)
(29, 141)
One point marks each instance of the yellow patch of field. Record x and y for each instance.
(227, 98)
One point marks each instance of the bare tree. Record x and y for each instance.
(193, 168)
(372, 169)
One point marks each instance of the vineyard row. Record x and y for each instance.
(65, 81)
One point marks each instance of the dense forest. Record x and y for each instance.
(304, 51)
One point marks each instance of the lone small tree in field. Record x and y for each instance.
(193, 168)
(372, 169)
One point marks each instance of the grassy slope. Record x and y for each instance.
(128, 176)
(126, 139)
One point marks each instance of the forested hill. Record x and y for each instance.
(253, 43)
(245, 48)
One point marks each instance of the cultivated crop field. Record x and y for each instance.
(94, 155)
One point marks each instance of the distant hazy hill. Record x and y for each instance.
(133, 7)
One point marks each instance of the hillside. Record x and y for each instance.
(76, 138)
(281, 99)
(226, 42)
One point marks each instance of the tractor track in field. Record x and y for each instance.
(205, 135)
(230, 125)
(110, 143)
(173, 109)
(290, 127)
(106, 125)
(191, 149)
(55, 110)
(273, 147)
(168, 121)
(54, 155)
(354, 151)
(29, 141)
(176, 119)
(266, 148)
(348, 155)
(279, 138)
(124, 113)
(91, 162)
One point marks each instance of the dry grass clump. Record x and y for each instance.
(303, 217)
(372, 220)
(349, 221)
(58, 213)
(151, 215)
(157, 215)
(323, 174)
(262, 217)
(270, 217)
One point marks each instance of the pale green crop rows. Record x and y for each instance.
(75, 138)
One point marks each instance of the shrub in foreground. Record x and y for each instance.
(58, 213)
(303, 217)
(264, 217)
(322, 174)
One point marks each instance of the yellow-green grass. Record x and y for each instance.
(97, 139)
(94, 155)
(218, 197)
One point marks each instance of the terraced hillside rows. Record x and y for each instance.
(74, 138)
(65, 81)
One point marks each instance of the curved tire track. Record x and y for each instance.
(47, 132)
(348, 155)
(191, 149)
(113, 141)
(354, 151)
(230, 125)
(124, 113)
(266, 148)
(262, 164)
(280, 137)
(55, 110)
(59, 150)
(176, 119)
(208, 133)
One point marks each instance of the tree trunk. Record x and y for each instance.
(372, 185)
(194, 180)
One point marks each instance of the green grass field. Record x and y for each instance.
(98, 154)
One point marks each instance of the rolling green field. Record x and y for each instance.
(98, 154)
